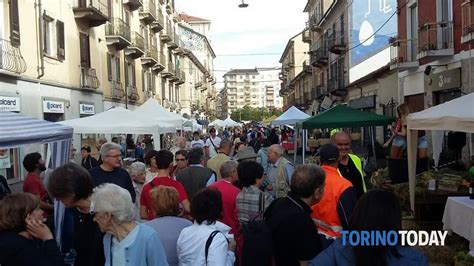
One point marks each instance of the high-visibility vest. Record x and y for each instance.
(325, 214)
(358, 164)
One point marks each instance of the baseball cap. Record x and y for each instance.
(329, 153)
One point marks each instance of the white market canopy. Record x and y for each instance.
(455, 115)
(152, 110)
(117, 121)
(292, 116)
(228, 122)
(217, 123)
(18, 130)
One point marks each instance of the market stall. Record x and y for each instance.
(455, 115)
(292, 116)
(342, 116)
(152, 110)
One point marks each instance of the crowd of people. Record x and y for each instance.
(229, 199)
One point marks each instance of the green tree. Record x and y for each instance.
(256, 114)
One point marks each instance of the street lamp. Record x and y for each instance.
(243, 5)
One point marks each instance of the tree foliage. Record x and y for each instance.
(255, 114)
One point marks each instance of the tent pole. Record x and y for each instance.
(295, 145)
(305, 133)
(373, 143)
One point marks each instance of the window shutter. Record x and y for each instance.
(143, 81)
(126, 70)
(60, 39)
(84, 48)
(117, 63)
(14, 23)
(134, 79)
(109, 66)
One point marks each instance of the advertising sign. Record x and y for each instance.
(56, 107)
(86, 109)
(372, 27)
(11, 104)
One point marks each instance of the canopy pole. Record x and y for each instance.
(295, 145)
(305, 133)
(373, 143)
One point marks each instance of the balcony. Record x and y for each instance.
(132, 93)
(168, 72)
(320, 55)
(401, 52)
(89, 80)
(467, 21)
(117, 90)
(336, 42)
(161, 62)
(169, 8)
(314, 21)
(11, 59)
(165, 36)
(133, 4)
(307, 35)
(147, 13)
(159, 23)
(336, 86)
(92, 12)
(181, 77)
(173, 44)
(435, 40)
(137, 48)
(318, 92)
(151, 57)
(118, 34)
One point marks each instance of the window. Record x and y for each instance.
(14, 23)
(84, 50)
(240, 77)
(113, 68)
(53, 38)
(130, 80)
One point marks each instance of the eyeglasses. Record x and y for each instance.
(115, 156)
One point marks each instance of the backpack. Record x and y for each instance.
(258, 241)
(209, 242)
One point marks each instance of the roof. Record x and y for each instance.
(192, 19)
(345, 116)
(18, 130)
(251, 71)
(288, 46)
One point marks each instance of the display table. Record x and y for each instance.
(458, 217)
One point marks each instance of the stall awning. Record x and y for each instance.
(344, 116)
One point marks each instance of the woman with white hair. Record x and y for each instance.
(137, 171)
(125, 241)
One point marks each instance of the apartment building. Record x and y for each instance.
(433, 53)
(296, 74)
(253, 87)
(221, 105)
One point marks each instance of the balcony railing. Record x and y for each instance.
(132, 92)
(96, 12)
(133, 4)
(336, 43)
(10, 58)
(117, 90)
(89, 78)
(118, 33)
(336, 85)
(307, 35)
(148, 11)
(403, 54)
(137, 48)
(314, 20)
(435, 36)
(151, 56)
(468, 21)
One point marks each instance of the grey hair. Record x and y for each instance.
(108, 147)
(278, 149)
(227, 168)
(137, 168)
(115, 200)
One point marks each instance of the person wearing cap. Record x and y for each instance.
(247, 154)
(350, 165)
(331, 214)
(88, 161)
(279, 171)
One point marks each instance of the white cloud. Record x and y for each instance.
(264, 25)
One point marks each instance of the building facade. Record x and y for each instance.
(253, 87)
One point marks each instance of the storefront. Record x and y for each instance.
(10, 158)
(53, 110)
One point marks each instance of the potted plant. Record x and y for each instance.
(462, 258)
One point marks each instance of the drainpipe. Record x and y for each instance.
(39, 20)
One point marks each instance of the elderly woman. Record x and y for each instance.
(206, 208)
(24, 239)
(150, 160)
(137, 171)
(125, 241)
(251, 178)
(166, 206)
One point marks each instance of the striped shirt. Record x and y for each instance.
(248, 201)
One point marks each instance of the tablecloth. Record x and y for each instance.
(458, 217)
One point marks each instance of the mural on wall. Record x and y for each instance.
(373, 23)
(191, 40)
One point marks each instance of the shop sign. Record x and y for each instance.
(363, 102)
(11, 104)
(446, 80)
(86, 109)
(56, 107)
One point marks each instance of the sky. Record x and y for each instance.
(265, 26)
